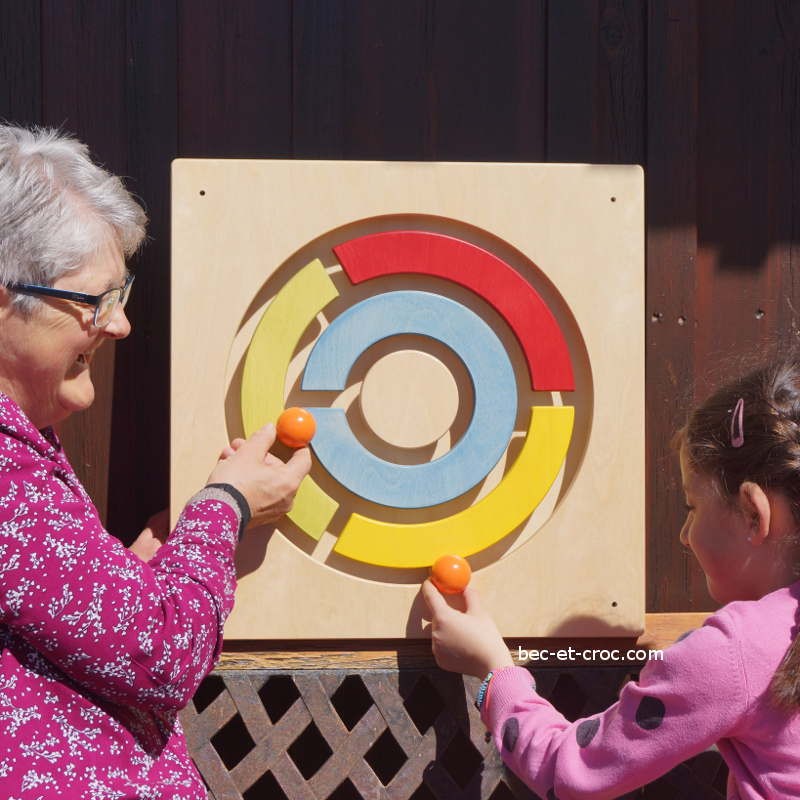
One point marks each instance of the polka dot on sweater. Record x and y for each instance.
(586, 731)
(650, 713)
(510, 734)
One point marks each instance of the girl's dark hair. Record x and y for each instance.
(768, 456)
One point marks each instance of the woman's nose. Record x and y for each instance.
(119, 326)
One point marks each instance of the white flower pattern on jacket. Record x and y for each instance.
(98, 650)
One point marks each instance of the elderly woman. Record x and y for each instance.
(98, 649)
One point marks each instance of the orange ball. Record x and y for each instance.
(450, 574)
(295, 427)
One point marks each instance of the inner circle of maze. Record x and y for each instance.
(409, 399)
(480, 518)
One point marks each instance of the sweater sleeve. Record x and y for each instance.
(679, 707)
(132, 633)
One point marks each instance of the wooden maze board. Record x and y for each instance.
(469, 338)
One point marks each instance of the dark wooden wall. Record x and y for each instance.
(704, 93)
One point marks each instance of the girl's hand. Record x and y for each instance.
(267, 483)
(464, 641)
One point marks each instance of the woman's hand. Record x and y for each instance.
(464, 641)
(155, 533)
(231, 448)
(267, 483)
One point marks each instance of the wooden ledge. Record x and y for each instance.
(661, 630)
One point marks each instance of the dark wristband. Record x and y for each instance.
(241, 503)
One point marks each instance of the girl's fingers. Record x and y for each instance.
(472, 600)
(434, 599)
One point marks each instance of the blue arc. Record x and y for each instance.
(489, 368)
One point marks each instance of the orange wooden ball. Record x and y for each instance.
(450, 574)
(295, 427)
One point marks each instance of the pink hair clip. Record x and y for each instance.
(737, 424)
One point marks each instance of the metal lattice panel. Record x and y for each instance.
(383, 735)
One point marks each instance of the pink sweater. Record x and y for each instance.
(711, 687)
(98, 650)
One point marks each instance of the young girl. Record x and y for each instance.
(735, 681)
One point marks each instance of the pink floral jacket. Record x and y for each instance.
(98, 650)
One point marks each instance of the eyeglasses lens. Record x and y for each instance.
(105, 309)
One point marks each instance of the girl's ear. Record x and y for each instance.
(754, 504)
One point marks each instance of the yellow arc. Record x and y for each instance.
(480, 526)
(274, 342)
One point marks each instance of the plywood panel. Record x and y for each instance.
(575, 234)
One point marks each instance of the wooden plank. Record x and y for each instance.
(234, 77)
(419, 80)
(621, 88)
(672, 321)
(487, 79)
(139, 484)
(385, 79)
(20, 62)
(83, 91)
(318, 53)
(748, 177)
(783, 169)
(596, 81)
(571, 62)
(352, 655)
(730, 226)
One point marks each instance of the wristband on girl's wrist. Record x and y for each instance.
(483, 690)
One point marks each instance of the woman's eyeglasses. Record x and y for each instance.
(104, 304)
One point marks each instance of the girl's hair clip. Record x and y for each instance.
(737, 424)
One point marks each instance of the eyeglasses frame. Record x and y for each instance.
(77, 297)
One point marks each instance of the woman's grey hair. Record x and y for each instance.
(57, 208)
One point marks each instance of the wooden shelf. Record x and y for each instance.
(661, 630)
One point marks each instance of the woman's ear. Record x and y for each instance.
(755, 505)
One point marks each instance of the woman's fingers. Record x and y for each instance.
(267, 483)
(261, 441)
(299, 464)
(231, 448)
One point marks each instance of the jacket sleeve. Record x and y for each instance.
(132, 633)
(679, 707)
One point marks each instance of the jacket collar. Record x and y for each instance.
(14, 422)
